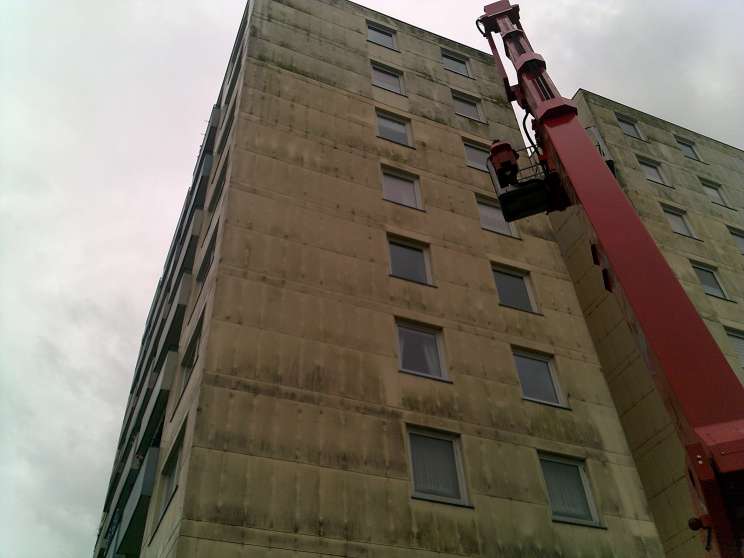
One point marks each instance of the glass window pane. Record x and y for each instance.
(709, 281)
(392, 129)
(714, 193)
(492, 218)
(652, 172)
(386, 79)
(419, 351)
(737, 340)
(536, 379)
(408, 262)
(512, 290)
(434, 466)
(678, 223)
(568, 498)
(629, 128)
(476, 156)
(466, 107)
(455, 64)
(739, 239)
(399, 190)
(688, 150)
(381, 37)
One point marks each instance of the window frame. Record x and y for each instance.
(515, 272)
(406, 122)
(414, 245)
(490, 202)
(458, 58)
(682, 214)
(467, 98)
(713, 270)
(687, 143)
(435, 331)
(384, 68)
(383, 30)
(386, 170)
(175, 457)
(622, 119)
(474, 145)
(586, 483)
(711, 185)
(733, 333)
(458, 455)
(737, 233)
(549, 359)
(643, 161)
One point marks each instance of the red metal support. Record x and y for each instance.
(703, 393)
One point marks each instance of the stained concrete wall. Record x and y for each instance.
(296, 415)
(648, 426)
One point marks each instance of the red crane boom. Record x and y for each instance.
(694, 378)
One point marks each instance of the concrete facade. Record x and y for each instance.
(708, 239)
(269, 414)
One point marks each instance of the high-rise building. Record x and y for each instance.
(351, 353)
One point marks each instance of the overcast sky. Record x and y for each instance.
(102, 107)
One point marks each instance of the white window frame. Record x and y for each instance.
(384, 30)
(456, 440)
(655, 164)
(550, 360)
(681, 141)
(423, 328)
(705, 183)
(515, 272)
(490, 202)
(714, 271)
(415, 245)
(467, 98)
(580, 464)
(630, 122)
(403, 175)
(682, 214)
(394, 118)
(388, 70)
(459, 58)
(737, 233)
(474, 145)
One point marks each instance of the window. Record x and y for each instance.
(455, 63)
(476, 155)
(191, 356)
(400, 188)
(513, 289)
(738, 238)
(678, 221)
(652, 171)
(208, 258)
(713, 191)
(171, 471)
(381, 35)
(437, 466)
(226, 129)
(568, 489)
(393, 128)
(466, 106)
(492, 218)
(687, 148)
(737, 340)
(420, 351)
(709, 280)
(536, 377)
(387, 78)
(628, 126)
(408, 260)
(217, 194)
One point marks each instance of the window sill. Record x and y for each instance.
(408, 145)
(427, 498)
(688, 236)
(402, 94)
(460, 74)
(568, 521)
(722, 298)
(694, 159)
(660, 183)
(427, 376)
(548, 403)
(421, 209)
(413, 280)
(472, 166)
(644, 140)
(478, 120)
(514, 236)
(394, 49)
(723, 205)
(521, 309)
(162, 515)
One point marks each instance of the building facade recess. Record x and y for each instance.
(351, 352)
